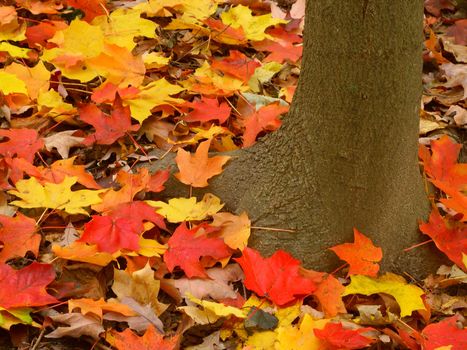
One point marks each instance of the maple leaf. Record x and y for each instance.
(281, 46)
(340, 338)
(207, 109)
(79, 325)
(37, 35)
(186, 247)
(111, 234)
(98, 307)
(91, 8)
(36, 78)
(187, 209)
(450, 237)
(130, 184)
(409, 297)
(26, 287)
(11, 84)
(107, 92)
(237, 64)
(225, 33)
(276, 278)
(435, 6)
(157, 180)
(127, 340)
(197, 169)
(54, 196)
(139, 285)
(108, 128)
(253, 26)
(263, 119)
(78, 251)
(18, 236)
(362, 255)
(23, 143)
(448, 332)
(235, 230)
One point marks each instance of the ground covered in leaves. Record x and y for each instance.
(90, 89)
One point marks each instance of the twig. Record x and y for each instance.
(39, 338)
(273, 229)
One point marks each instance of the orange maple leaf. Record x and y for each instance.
(195, 170)
(362, 255)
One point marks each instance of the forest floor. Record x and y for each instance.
(92, 258)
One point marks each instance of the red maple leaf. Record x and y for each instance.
(282, 46)
(207, 109)
(265, 118)
(18, 236)
(362, 255)
(40, 33)
(186, 248)
(448, 332)
(26, 287)
(23, 143)
(337, 337)
(277, 278)
(107, 93)
(237, 65)
(127, 340)
(108, 128)
(91, 8)
(450, 237)
(157, 180)
(120, 229)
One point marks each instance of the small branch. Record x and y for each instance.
(417, 245)
(39, 338)
(272, 229)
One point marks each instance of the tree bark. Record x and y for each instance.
(346, 154)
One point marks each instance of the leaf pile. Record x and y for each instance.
(90, 251)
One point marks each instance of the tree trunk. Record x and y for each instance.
(346, 154)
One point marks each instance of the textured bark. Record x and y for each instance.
(346, 154)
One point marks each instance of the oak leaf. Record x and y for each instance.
(196, 169)
(362, 255)
(186, 247)
(409, 297)
(276, 278)
(26, 287)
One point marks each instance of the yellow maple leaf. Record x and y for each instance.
(151, 247)
(11, 84)
(408, 296)
(36, 78)
(195, 10)
(51, 103)
(195, 170)
(14, 51)
(72, 52)
(123, 25)
(301, 336)
(217, 308)
(235, 230)
(187, 209)
(154, 94)
(54, 196)
(253, 26)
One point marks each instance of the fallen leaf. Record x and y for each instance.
(78, 326)
(26, 287)
(186, 247)
(78, 251)
(409, 297)
(62, 141)
(23, 143)
(237, 65)
(98, 307)
(18, 236)
(276, 278)
(206, 109)
(362, 255)
(127, 340)
(338, 337)
(449, 332)
(235, 230)
(187, 209)
(54, 196)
